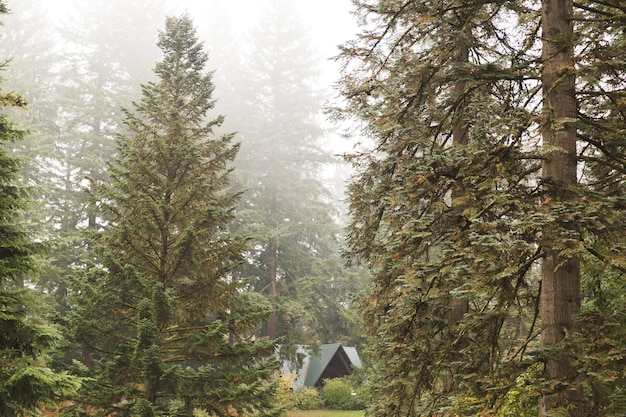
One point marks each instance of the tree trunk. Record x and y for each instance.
(560, 288)
(272, 268)
(459, 307)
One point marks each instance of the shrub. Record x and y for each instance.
(302, 399)
(308, 399)
(341, 394)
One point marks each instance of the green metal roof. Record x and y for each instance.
(355, 360)
(334, 360)
(319, 363)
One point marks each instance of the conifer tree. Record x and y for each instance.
(560, 275)
(286, 209)
(31, 42)
(601, 197)
(167, 324)
(75, 77)
(106, 53)
(26, 381)
(442, 221)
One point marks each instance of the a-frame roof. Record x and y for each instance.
(334, 360)
(355, 360)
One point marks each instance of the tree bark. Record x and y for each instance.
(272, 268)
(458, 306)
(560, 288)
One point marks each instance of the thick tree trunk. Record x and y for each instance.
(459, 307)
(560, 288)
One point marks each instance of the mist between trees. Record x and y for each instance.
(187, 228)
(172, 212)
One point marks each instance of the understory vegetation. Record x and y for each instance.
(336, 394)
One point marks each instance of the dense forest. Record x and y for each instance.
(173, 225)
(158, 256)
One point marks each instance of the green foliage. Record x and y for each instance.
(26, 381)
(162, 325)
(337, 393)
(307, 398)
(325, 413)
(522, 399)
(342, 394)
(449, 208)
(603, 338)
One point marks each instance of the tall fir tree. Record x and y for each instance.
(560, 275)
(75, 77)
(287, 207)
(471, 188)
(168, 326)
(103, 51)
(26, 381)
(31, 34)
(108, 46)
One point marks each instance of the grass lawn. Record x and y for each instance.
(324, 413)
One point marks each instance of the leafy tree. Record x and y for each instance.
(169, 326)
(26, 381)
(470, 189)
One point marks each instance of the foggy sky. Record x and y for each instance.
(330, 21)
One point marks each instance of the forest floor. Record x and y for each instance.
(324, 413)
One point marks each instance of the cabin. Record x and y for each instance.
(334, 361)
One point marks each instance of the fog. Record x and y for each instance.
(79, 63)
(330, 22)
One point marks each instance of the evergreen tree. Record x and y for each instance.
(224, 43)
(560, 274)
(286, 207)
(470, 189)
(26, 381)
(600, 194)
(169, 326)
(75, 77)
(109, 46)
(34, 71)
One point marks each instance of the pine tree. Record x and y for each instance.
(470, 189)
(167, 324)
(286, 208)
(26, 381)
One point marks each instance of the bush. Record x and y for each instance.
(303, 399)
(308, 399)
(341, 394)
